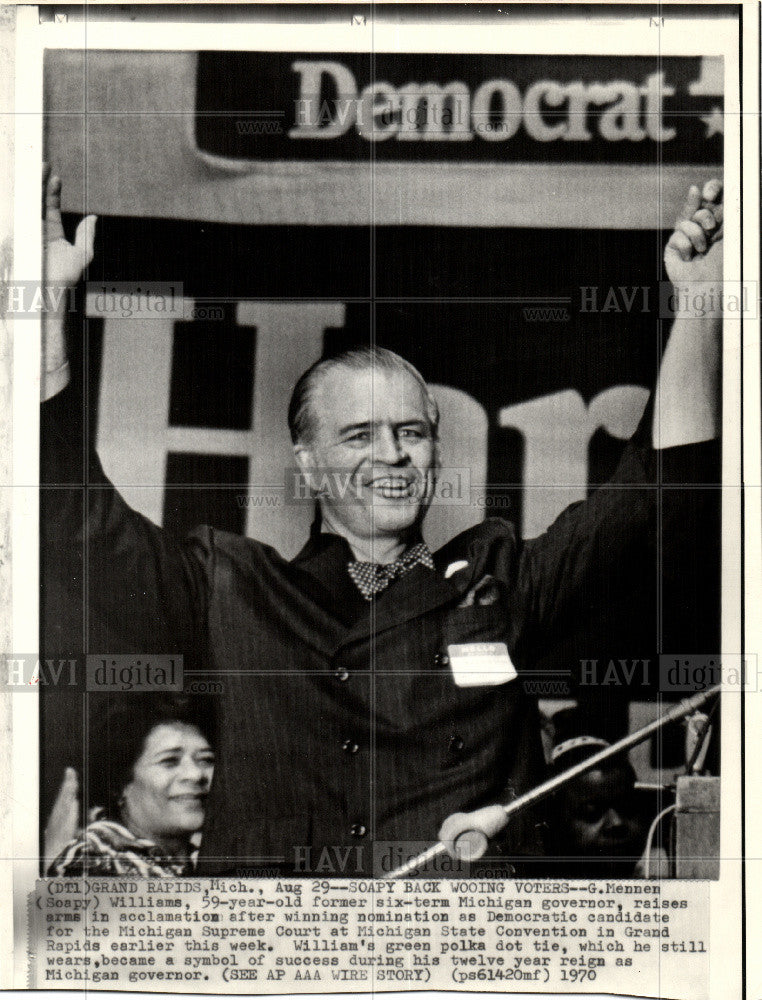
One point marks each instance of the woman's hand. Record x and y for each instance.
(63, 822)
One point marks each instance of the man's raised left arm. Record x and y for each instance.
(598, 562)
(686, 399)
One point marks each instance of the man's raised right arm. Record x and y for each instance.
(113, 582)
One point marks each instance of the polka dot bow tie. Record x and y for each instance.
(372, 578)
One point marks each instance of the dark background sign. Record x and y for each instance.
(433, 107)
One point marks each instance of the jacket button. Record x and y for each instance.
(456, 744)
(357, 830)
(342, 675)
(348, 746)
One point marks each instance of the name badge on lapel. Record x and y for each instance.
(480, 664)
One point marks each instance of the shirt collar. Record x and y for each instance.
(322, 541)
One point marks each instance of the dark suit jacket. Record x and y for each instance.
(340, 722)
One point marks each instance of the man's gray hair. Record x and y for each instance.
(301, 415)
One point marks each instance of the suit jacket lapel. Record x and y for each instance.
(421, 590)
(410, 596)
(331, 601)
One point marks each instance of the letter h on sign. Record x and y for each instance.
(134, 436)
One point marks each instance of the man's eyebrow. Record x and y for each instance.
(364, 426)
(370, 424)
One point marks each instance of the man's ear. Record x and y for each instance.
(432, 476)
(304, 458)
(306, 462)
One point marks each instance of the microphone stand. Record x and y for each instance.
(472, 843)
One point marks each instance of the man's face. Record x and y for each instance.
(373, 455)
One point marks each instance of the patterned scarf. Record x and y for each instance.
(108, 848)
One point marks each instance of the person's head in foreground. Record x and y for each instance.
(151, 768)
(364, 428)
(594, 825)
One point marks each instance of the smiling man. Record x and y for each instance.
(369, 415)
(370, 687)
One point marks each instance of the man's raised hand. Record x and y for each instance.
(63, 262)
(688, 386)
(694, 251)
